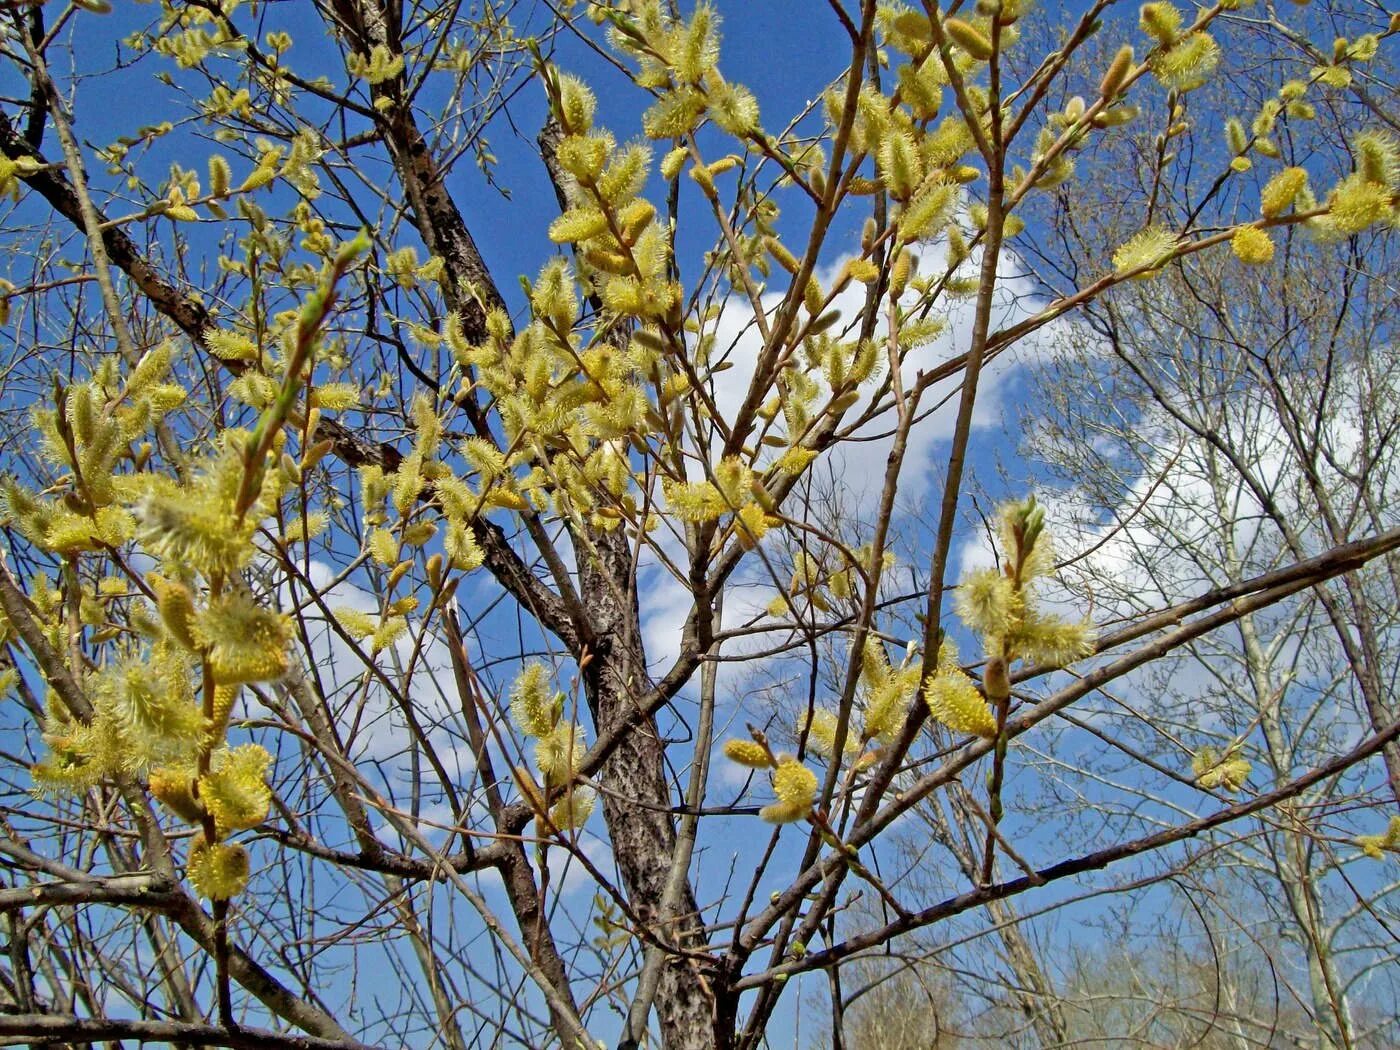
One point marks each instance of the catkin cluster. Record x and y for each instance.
(538, 714)
(174, 646)
(999, 604)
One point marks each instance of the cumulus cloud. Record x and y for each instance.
(1186, 520)
(858, 465)
(368, 717)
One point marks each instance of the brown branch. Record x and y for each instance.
(1076, 866)
(1238, 600)
(56, 1027)
(1326, 565)
(144, 891)
(193, 319)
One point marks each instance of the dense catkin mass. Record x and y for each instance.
(1000, 605)
(559, 746)
(195, 528)
(885, 693)
(162, 697)
(149, 706)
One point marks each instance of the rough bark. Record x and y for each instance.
(637, 799)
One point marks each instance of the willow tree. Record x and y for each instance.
(332, 559)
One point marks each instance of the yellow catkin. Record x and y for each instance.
(796, 788)
(174, 787)
(1374, 846)
(747, 753)
(218, 872)
(1216, 770)
(794, 783)
(969, 38)
(176, 606)
(1149, 248)
(224, 698)
(1252, 246)
(955, 701)
(1117, 73)
(531, 706)
(573, 810)
(1281, 191)
(1357, 203)
(235, 790)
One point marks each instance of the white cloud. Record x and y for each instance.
(1189, 522)
(858, 466)
(362, 702)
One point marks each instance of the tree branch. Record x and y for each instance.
(56, 1027)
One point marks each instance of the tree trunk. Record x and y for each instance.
(637, 800)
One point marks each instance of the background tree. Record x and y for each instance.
(336, 567)
(1264, 700)
(1250, 421)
